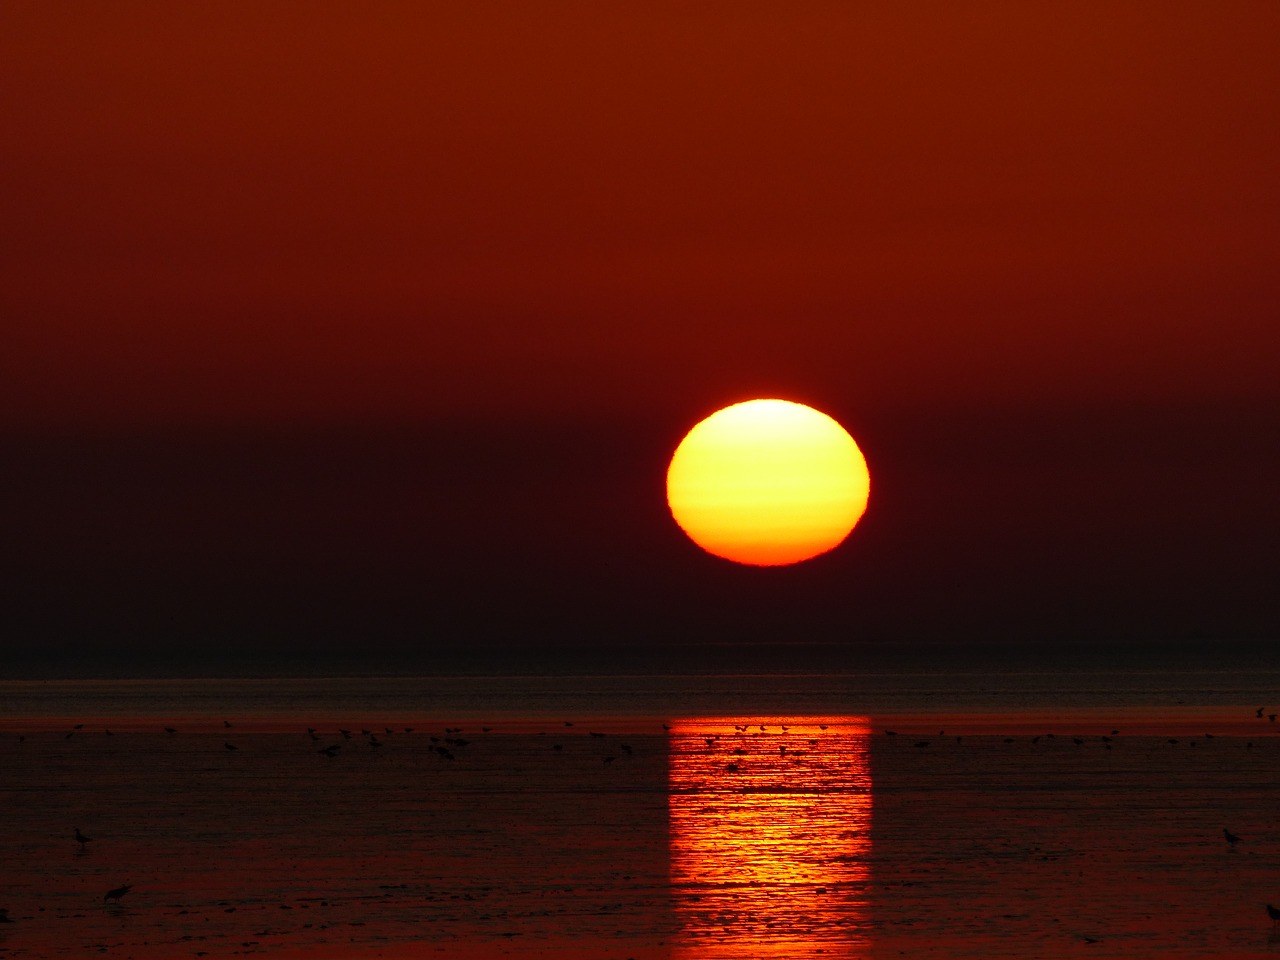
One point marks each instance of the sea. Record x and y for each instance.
(1094, 803)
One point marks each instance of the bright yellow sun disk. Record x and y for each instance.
(767, 482)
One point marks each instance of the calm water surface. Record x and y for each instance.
(703, 817)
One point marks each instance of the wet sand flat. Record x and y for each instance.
(957, 835)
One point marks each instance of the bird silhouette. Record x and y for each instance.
(229, 746)
(1274, 914)
(5, 918)
(1230, 837)
(81, 838)
(117, 893)
(330, 751)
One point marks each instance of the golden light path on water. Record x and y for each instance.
(770, 821)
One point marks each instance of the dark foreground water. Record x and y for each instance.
(1026, 815)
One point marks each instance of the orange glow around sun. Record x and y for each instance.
(767, 482)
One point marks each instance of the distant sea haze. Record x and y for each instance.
(529, 656)
(1172, 695)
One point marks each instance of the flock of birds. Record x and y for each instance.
(444, 746)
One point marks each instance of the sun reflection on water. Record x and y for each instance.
(770, 824)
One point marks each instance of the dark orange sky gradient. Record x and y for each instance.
(228, 213)
(1027, 254)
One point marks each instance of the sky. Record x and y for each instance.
(373, 328)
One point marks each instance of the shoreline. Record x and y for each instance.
(1238, 721)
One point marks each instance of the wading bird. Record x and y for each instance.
(81, 838)
(1274, 914)
(117, 893)
(1230, 837)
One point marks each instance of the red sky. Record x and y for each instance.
(961, 229)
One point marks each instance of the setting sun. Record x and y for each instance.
(767, 482)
